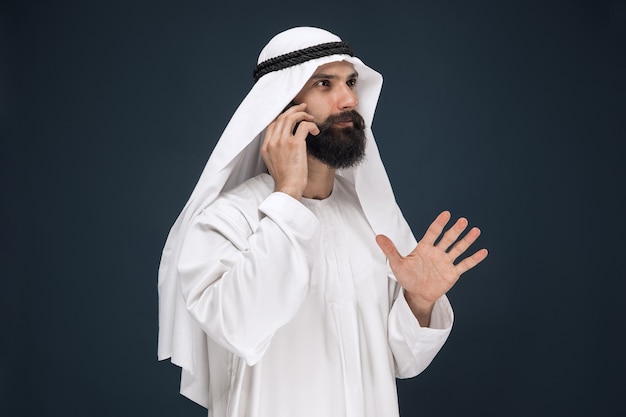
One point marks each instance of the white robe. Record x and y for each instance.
(302, 314)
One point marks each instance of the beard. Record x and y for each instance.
(339, 147)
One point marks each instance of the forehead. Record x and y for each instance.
(337, 68)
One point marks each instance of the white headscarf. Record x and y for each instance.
(235, 159)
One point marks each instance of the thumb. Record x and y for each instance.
(389, 249)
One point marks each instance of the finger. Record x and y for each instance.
(287, 120)
(461, 246)
(297, 119)
(453, 234)
(470, 262)
(295, 108)
(435, 228)
(282, 128)
(389, 249)
(269, 133)
(279, 127)
(291, 109)
(305, 128)
(287, 124)
(265, 146)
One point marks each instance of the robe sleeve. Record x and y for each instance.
(243, 275)
(414, 347)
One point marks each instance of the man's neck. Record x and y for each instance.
(320, 180)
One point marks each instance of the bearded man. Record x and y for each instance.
(291, 284)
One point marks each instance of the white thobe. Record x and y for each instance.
(302, 314)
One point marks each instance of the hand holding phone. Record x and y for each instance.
(284, 149)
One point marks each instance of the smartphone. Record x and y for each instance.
(290, 105)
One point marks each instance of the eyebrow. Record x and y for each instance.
(332, 76)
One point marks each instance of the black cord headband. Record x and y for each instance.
(300, 56)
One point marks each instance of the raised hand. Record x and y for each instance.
(284, 151)
(429, 271)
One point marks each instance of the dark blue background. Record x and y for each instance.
(510, 113)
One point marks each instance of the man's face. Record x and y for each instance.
(331, 98)
(330, 90)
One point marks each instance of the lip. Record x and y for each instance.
(346, 123)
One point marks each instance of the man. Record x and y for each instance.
(282, 287)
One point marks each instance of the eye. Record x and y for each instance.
(323, 83)
(351, 82)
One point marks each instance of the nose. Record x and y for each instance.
(347, 98)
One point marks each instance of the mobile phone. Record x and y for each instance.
(290, 105)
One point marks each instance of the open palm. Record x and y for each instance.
(429, 271)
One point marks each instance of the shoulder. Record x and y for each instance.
(255, 189)
(235, 212)
(245, 197)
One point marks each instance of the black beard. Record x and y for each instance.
(339, 147)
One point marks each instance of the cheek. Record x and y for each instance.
(317, 105)
(316, 110)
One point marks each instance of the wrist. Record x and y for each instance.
(294, 192)
(290, 186)
(421, 309)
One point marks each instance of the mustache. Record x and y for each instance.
(345, 116)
